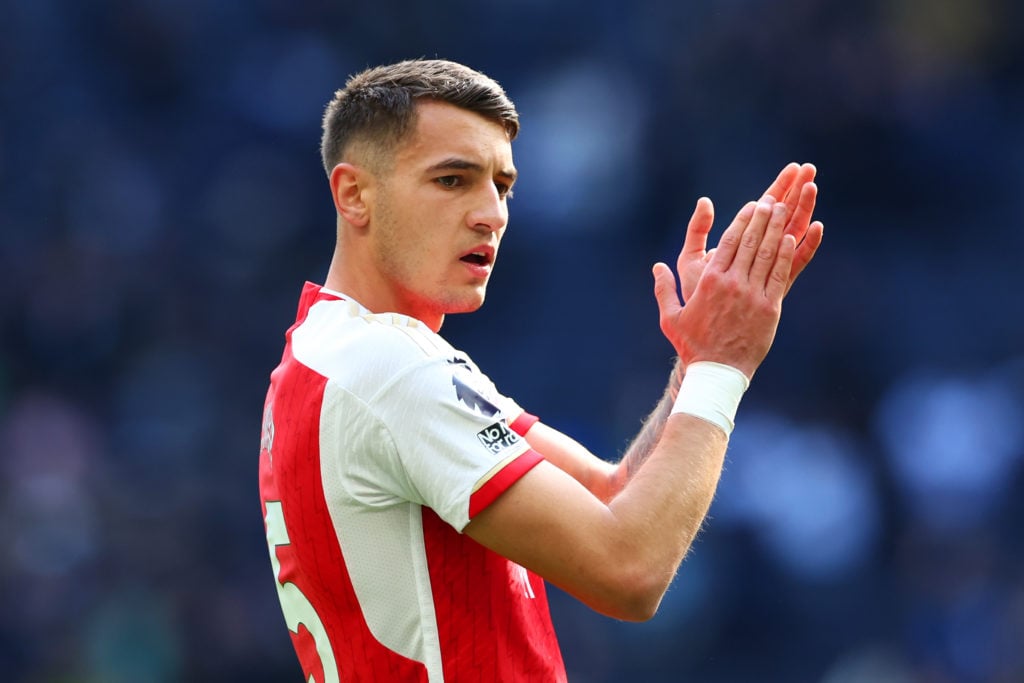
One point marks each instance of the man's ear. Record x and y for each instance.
(348, 187)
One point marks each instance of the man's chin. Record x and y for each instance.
(467, 304)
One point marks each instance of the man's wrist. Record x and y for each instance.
(712, 392)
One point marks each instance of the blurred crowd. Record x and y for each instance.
(161, 203)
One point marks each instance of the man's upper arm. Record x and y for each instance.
(556, 522)
(618, 556)
(550, 523)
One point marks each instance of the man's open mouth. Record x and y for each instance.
(477, 258)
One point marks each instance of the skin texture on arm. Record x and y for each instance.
(650, 433)
(615, 541)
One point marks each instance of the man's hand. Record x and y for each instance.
(734, 310)
(795, 187)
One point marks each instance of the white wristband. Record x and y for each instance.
(712, 392)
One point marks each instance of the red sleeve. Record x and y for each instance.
(502, 480)
(522, 424)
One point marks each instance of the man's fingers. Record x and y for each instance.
(696, 241)
(750, 240)
(805, 174)
(800, 215)
(783, 183)
(730, 241)
(778, 280)
(700, 225)
(806, 251)
(665, 289)
(768, 247)
(665, 294)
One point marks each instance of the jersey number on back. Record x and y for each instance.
(296, 607)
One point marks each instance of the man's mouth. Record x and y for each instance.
(477, 258)
(482, 256)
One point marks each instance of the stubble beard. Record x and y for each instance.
(401, 267)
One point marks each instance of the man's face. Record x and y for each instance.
(439, 214)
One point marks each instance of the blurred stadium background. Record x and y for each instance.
(161, 203)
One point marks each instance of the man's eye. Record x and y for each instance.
(448, 181)
(504, 191)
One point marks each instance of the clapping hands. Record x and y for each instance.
(734, 292)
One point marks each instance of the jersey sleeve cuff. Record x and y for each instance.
(502, 480)
(522, 424)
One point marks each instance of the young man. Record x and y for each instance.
(413, 511)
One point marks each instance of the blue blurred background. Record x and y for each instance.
(161, 203)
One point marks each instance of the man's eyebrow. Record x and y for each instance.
(459, 164)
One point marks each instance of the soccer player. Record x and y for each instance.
(413, 511)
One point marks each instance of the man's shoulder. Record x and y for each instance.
(339, 339)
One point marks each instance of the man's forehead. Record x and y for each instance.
(444, 132)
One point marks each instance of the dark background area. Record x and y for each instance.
(161, 203)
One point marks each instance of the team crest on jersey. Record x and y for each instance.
(497, 437)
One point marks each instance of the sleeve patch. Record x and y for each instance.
(497, 437)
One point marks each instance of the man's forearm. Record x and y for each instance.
(663, 506)
(653, 426)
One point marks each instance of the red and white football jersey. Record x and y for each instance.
(380, 443)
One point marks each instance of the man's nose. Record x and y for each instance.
(490, 212)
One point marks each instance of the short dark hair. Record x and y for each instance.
(378, 105)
